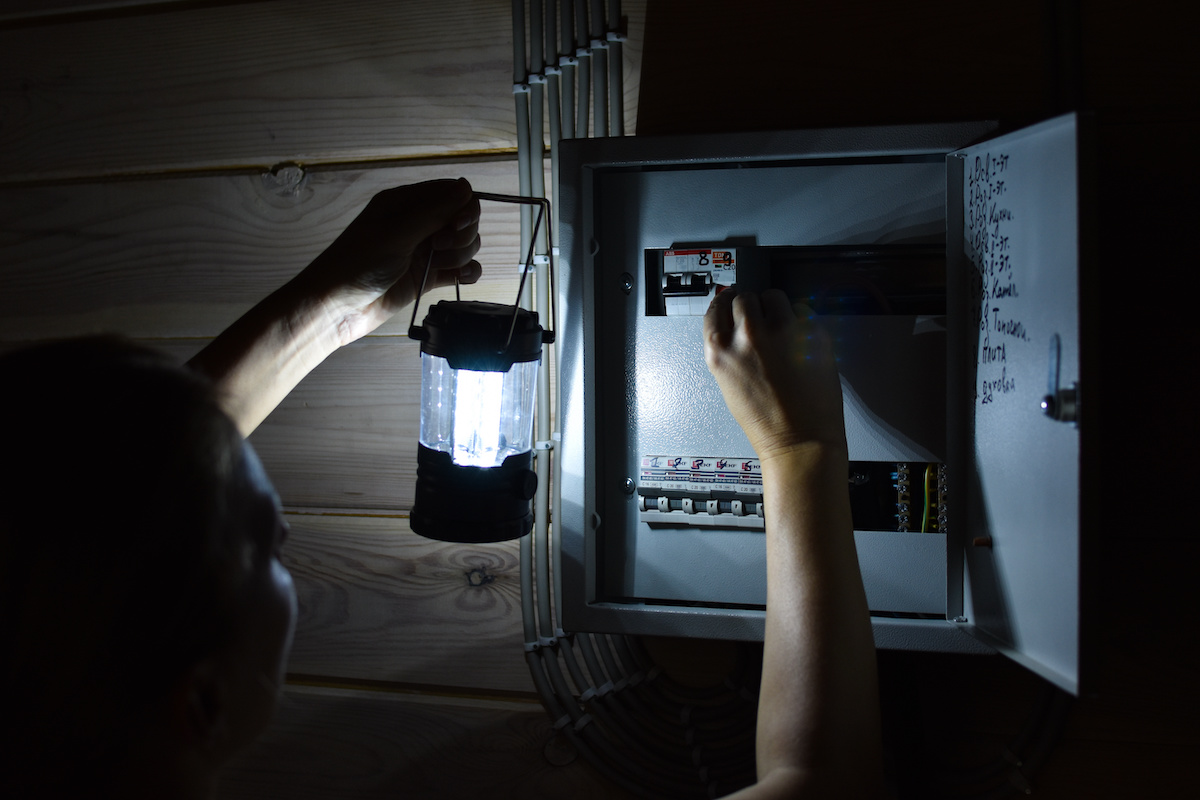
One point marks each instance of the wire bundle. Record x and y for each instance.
(646, 732)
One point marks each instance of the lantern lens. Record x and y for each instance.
(479, 417)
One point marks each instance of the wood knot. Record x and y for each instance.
(479, 577)
(285, 179)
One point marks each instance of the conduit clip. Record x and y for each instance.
(520, 88)
(545, 444)
(615, 36)
(538, 78)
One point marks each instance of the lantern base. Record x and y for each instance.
(472, 504)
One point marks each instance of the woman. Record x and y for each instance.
(148, 617)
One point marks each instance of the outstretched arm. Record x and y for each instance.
(818, 729)
(368, 274)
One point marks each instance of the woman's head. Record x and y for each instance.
(142, 592)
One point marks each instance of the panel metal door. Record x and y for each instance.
(1014, 255)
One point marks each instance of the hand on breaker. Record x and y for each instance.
(818, 730)
(776, 371)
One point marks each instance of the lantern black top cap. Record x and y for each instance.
(471, 335)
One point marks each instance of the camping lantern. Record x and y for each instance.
(479, 366)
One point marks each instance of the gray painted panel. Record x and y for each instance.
(902, 572)
(608, 218)
(1018, 246)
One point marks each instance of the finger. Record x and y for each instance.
(454, 258)
(423, 208)
(454, 238)
(469, 215)
(718, 320)
(747, 313)
(466, 274)
(470, 272)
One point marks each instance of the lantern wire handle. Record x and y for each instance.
(543, 213)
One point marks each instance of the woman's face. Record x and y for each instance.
(256, 659)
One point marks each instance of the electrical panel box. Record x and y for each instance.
(946, 267)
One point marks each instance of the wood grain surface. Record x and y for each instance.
(184, 257)
(261, 84)
(27, 11)
(379, 603)
(329, 743)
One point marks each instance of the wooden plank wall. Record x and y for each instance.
(163, 166)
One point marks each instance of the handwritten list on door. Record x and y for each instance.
(990, 232)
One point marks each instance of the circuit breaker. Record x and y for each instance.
(946, 267)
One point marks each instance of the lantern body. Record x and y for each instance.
(479, 417)
(479, 364)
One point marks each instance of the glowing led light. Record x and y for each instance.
(477, 440)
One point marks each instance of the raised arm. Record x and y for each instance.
(818, 729)
(368, 274)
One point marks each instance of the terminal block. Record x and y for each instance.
(700, 491)
(714, 492)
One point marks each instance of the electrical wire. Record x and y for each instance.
(925, 505)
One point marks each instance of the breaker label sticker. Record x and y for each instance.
(721, 262)
(692, 278)
(701, 474)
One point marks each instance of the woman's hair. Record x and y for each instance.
(120, 568)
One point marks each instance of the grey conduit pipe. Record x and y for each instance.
(553, 100)
(568, 61)
(521, 98)
(616, 70)
(583, 54)
(599, 45)
(646, 740)
(537, 121)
